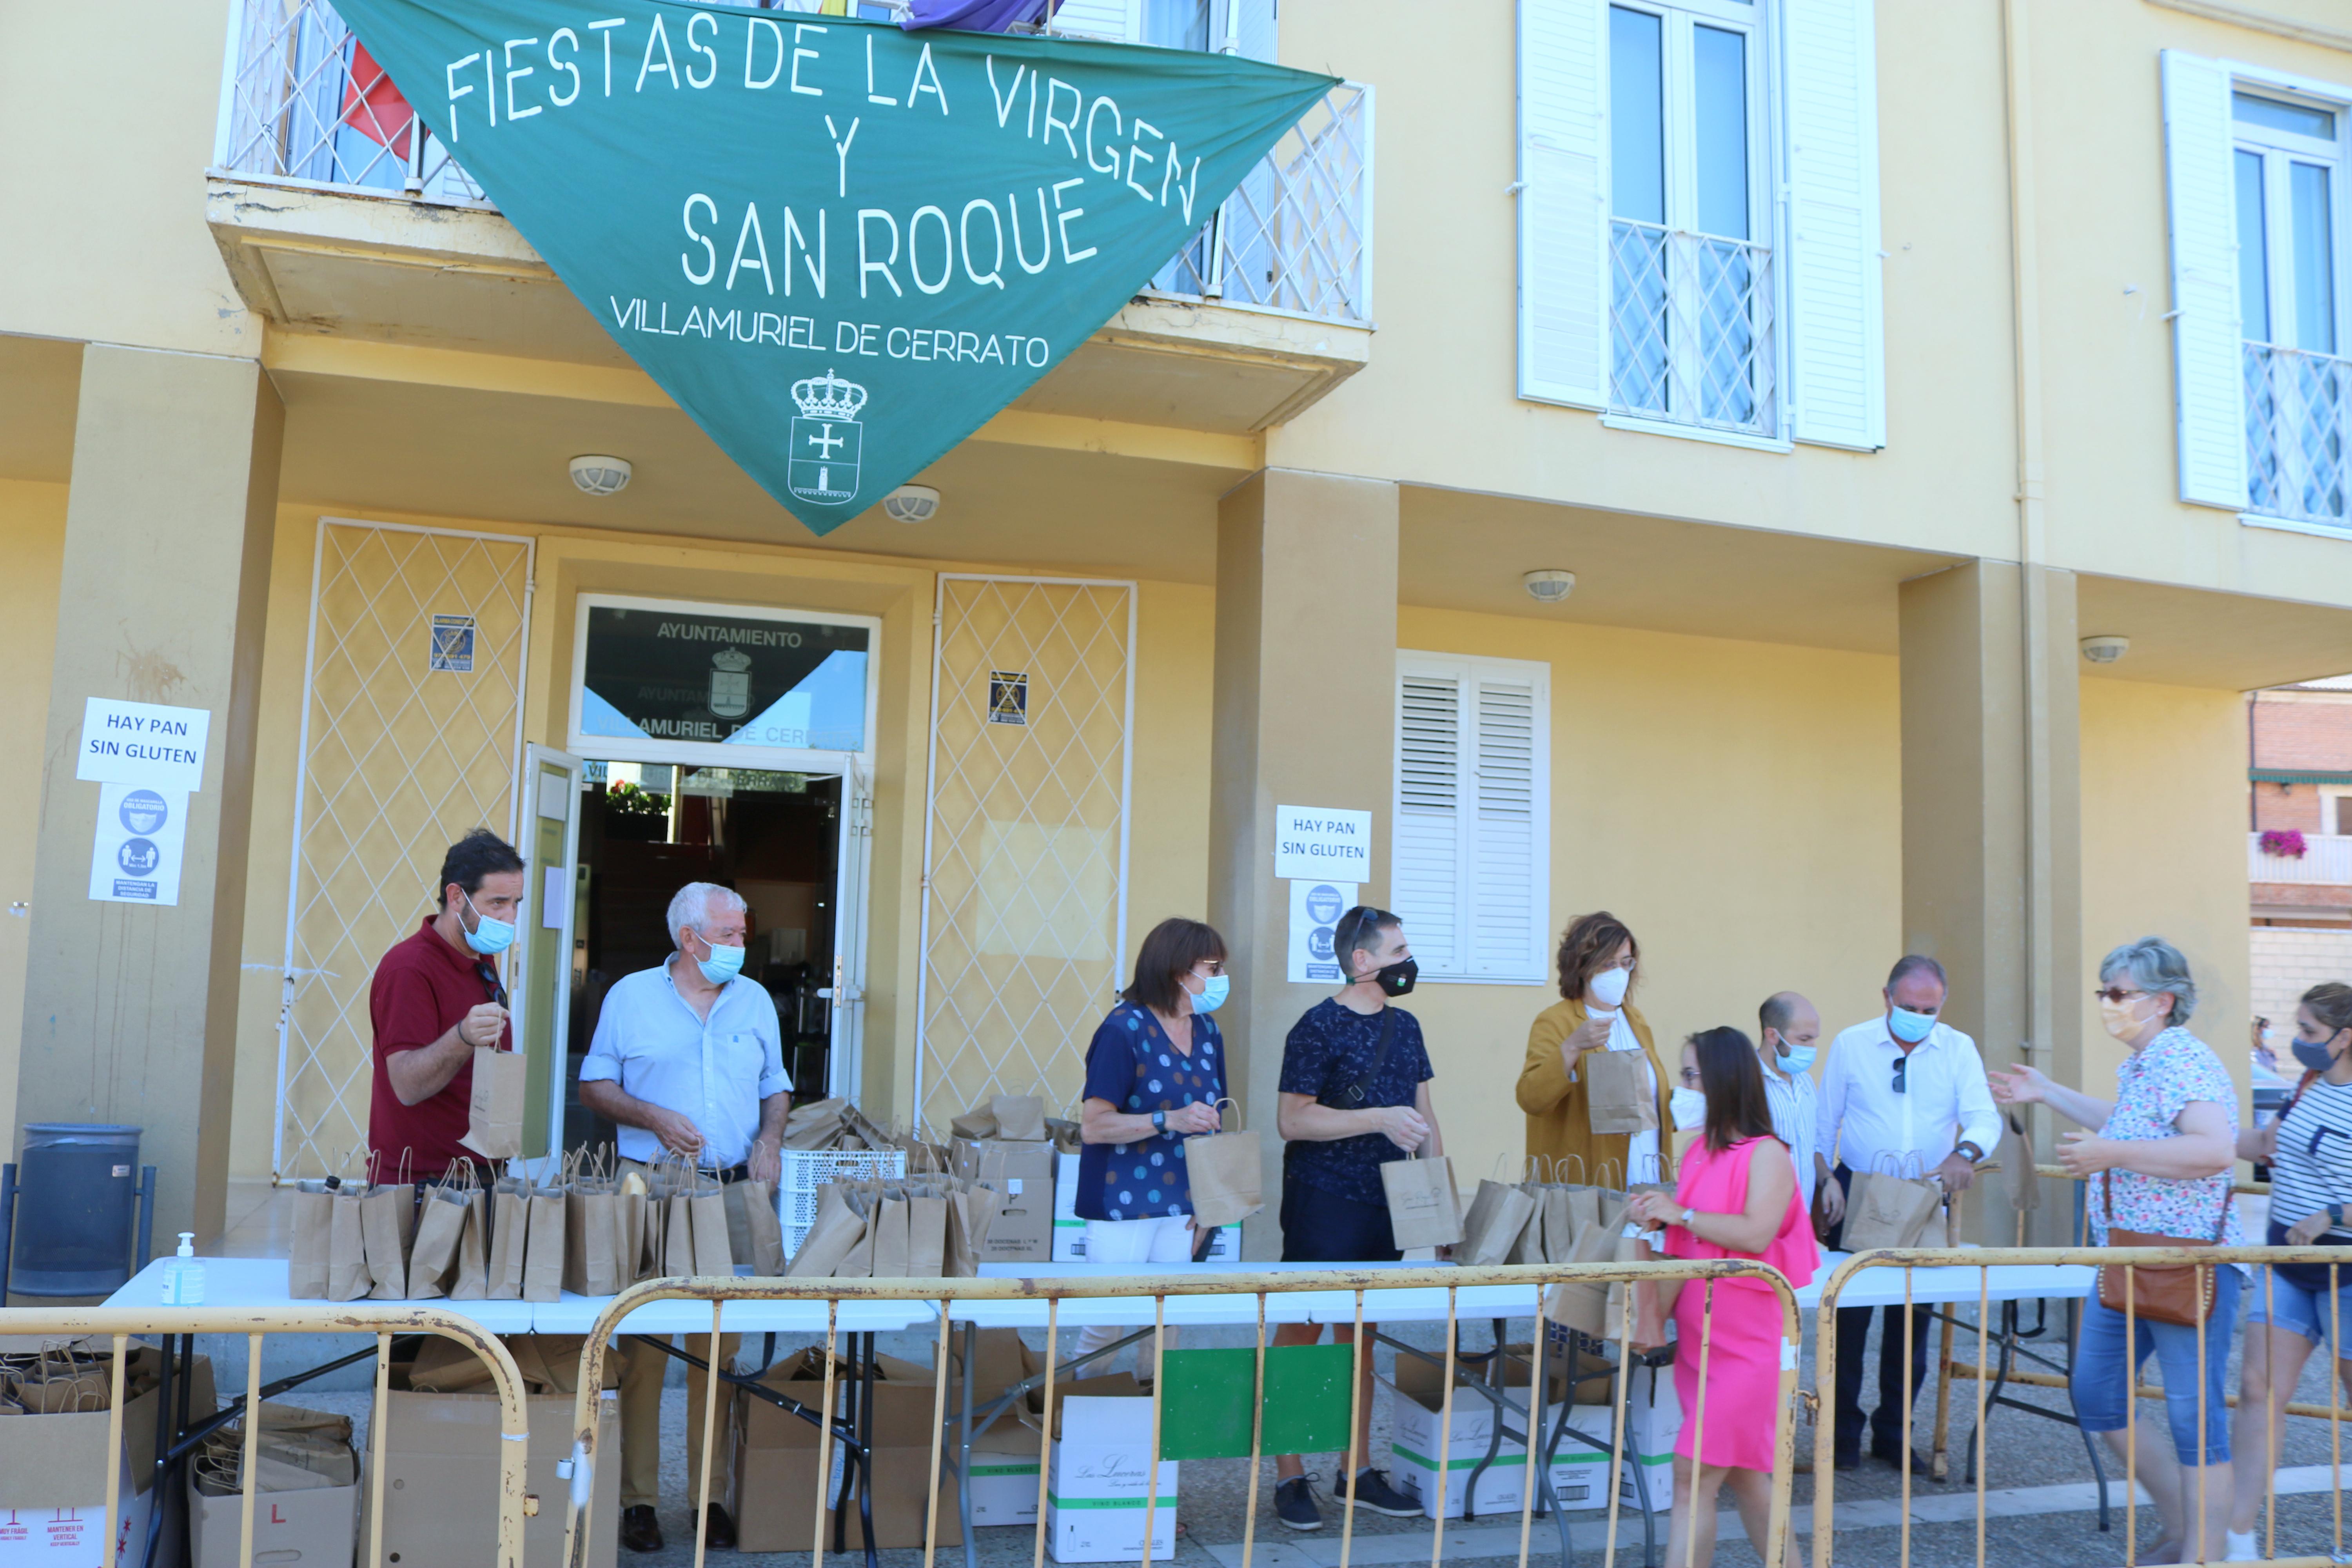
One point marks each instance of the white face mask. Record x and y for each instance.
(1688, 1106)
(1607, 989)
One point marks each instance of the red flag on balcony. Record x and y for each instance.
(373, 106)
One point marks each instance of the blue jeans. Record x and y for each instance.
(2104, 1374)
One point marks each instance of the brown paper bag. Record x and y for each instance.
(1578, 1304)
(972, 1211)
(1019, 1116)
(836, 1229)
(1499, 1216)
(1886, 1208)
(387, 1227)
(714, 1252)
(888, 1231)
(440, 1229)
(494, 1113)
(472, 1280)
(762, 1228)
(927, 1237)
(509, 1235)
(1424, 1209)
(1227, 1173)
(347, 1270)
(976, 1124)
(310, 1256)
(1618, 1095)
(593, 1230)
(542, 1258)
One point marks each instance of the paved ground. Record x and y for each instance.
(2040, 1502)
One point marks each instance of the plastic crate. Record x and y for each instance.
(806, 1169)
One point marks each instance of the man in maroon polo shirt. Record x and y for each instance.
(433, 998)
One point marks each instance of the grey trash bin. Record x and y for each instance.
(82, 1219)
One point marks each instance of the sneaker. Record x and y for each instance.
(1371, 1490)
(1293, 1504)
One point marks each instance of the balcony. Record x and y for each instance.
(2326, 860)
(339, 214)
(2298, 406)
(1692, 337)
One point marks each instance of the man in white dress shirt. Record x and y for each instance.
(688, 1060)
(1903, 1089)
(1789, 1034)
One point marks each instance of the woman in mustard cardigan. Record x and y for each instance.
(1597, 961)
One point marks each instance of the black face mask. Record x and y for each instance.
(1397, 979)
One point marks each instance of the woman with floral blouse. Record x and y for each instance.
(2159, 1163)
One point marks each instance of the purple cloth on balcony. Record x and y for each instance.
(972, 16)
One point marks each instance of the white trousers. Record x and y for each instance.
(1162, 1239)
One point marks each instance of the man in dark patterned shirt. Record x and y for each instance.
(1354, 1095)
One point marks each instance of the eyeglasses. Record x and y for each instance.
(1901, 1063)
(2116, 995)
(1216, 966)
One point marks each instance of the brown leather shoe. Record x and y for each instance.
(640, 1531)
(718, 1530)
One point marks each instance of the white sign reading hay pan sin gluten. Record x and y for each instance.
(1311, 844)
(135, 857)
(142, 743)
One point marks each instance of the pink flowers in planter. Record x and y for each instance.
(2285, 842)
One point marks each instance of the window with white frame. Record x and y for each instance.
(2254, 173)
(1698, 220)
(1471, 872)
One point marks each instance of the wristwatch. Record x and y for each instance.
(2335, 1217)
(1688, 1216)
(1159, 1121)
(1967, 1146)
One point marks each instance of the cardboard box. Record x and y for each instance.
(1070, 1231)
(1579, 1471)
(1094, 1502)
(1023, 1173)
(441, 1480)
(1004, 1463)
(318, 1528)
(52, 1496)
(771, 1485)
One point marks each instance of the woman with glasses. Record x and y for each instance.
(2296, 1307)
(2158, 1165)
(1737, 1197)
(1596, 961)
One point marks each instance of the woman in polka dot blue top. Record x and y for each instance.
(1155, 1071)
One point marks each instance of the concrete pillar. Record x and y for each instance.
(1305, 715)
(131, 1012)
(1992, 824)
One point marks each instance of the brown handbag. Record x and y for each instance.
(2180, 1293)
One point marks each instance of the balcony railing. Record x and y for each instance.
(1691, 329)
(305, 105)
(2325, 859)
(2298, 419)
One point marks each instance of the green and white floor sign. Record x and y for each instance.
(840, 247)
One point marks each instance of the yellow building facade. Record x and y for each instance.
(1859, 361)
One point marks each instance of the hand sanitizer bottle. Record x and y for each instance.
(183, 1275)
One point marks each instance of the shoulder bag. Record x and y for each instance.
(2180, 1293)
(1359, 1094)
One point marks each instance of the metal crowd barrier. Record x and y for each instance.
(2130, 1259)
(944, 1294)
(176, 1441)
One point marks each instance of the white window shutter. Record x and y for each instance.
(1097, 19)
(1836, 322)
(2207, 344)
(1563, 203)
(1259, 29)
(1510, 869)
(1425, 872)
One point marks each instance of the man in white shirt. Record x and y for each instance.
(687, 1061)
(1903, 1090)
(1788, 1035)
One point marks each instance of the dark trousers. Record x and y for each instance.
(1894, 1394)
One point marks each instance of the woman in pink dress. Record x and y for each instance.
(1737, 1198)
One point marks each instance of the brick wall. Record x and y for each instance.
(2303, 730)
(2287, 961)
(2291, 806)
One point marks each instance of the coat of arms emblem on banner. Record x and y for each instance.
(730, 684)
(825, 439)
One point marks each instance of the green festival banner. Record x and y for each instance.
(841, 248)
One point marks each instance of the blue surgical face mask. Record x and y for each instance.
(1798, 1059)
(1910, 1027)
(1212, 994)
(488, 937)
(723, 963)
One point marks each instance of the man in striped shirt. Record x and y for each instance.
(1791, 1028)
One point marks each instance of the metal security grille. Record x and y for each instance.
(1024, 846)
(411, 728)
